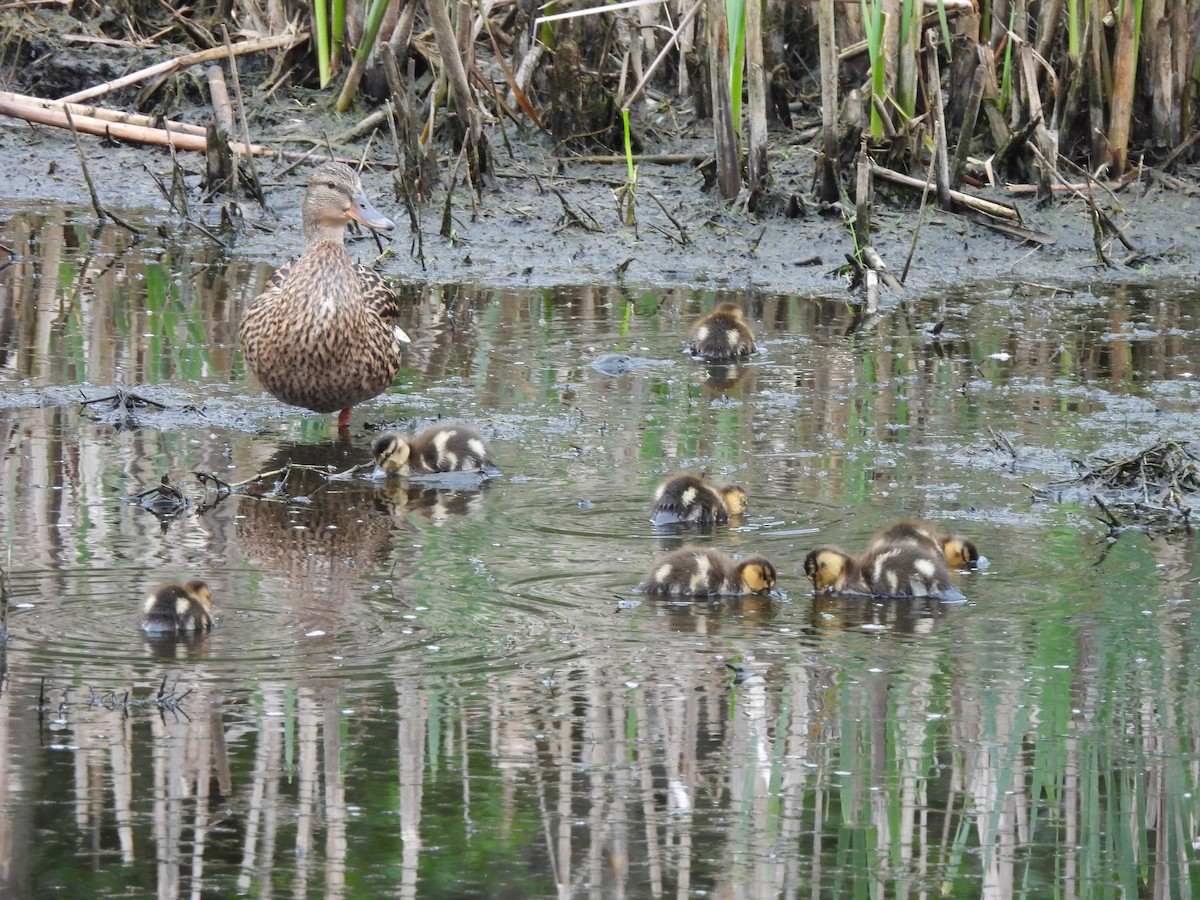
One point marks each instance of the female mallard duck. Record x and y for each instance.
(435, 450)
(704, 572)
(324, 334)
(689, 498)
(960, 552)
(904, 569)
(723, 335)
(177, 608)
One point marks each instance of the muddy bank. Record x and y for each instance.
(544, 222)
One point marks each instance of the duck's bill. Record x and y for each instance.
(401, 335)
(362, 211)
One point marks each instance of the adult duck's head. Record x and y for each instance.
(335, 197)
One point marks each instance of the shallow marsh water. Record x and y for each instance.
(414, 691)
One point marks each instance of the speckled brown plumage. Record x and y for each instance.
(324, 333)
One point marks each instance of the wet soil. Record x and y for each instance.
(518, 231)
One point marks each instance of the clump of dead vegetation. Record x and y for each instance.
(1153, 487)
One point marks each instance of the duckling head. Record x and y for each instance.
(960, 552)
(827, 567)
(335, 197)
(391, 452)
(201, 593)
(757, 574)
(732, 310)
(735, 499)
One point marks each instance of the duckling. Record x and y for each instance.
(689, 498)
(722, 335)
(834, 571)
(434, 450)
(903, 569)
(694, 571)
(178, 608)
(908, 569)
(959, 552)
(324, 335)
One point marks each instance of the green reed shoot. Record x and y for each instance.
(626, 194)
(1006, 86)
(321, 27)
(337, 28)
(735, 17)
(873, 22)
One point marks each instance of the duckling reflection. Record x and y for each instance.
(437, 504)
(848, 612)
(723, 378)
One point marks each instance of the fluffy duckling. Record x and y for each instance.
(434, 450)
(178, 608)
(834, 571)
(723, 335)
(690, 498)
(903, 569)
(959, 552)
(704, 572)
(908, 569)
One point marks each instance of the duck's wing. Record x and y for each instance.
(379, 296)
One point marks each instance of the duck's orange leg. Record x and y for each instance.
(344, 418)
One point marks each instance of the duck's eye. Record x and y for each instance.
(331, 185)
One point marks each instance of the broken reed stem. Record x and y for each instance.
(862, 198)
(189, 59)
(87, 176)
(933, 97)
(756, 95)
(255, 186)
(912, 247)
(662, 54)
(729, 175)
(826, 38)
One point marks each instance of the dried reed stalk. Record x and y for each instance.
(99, 112)
(254, 45)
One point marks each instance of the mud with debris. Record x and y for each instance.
(541, 220)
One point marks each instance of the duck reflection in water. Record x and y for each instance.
(315, 537)
(435, 503)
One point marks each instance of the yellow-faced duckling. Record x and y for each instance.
(178, 608)
(690, 498)
(903, 569)
(959, 552)
(325, 333)
(835, 571)
(437, 449)
(723, 335)
(704, 572)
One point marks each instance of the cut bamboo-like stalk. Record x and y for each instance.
(188, 59)
(729, 176)
(933, 96)
(756, 87)
(1124, 85)
(827, 38)
(986, 206)
(80, 110)
(138, 134)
